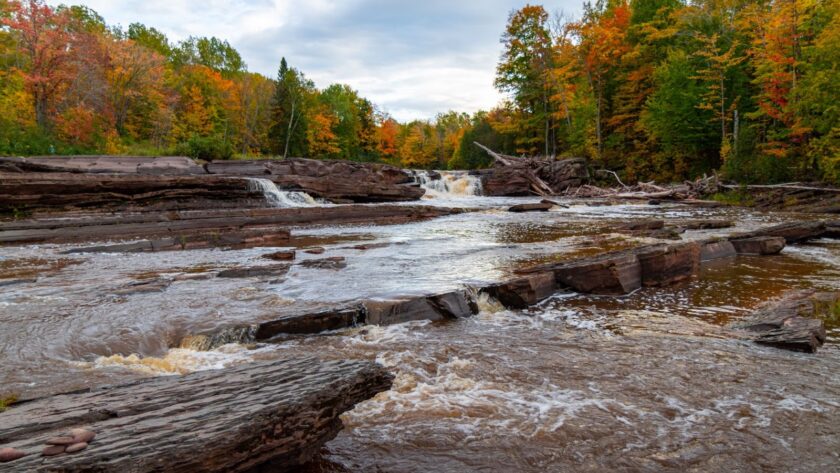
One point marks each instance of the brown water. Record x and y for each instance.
(645, 382)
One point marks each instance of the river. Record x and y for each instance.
(579, 383)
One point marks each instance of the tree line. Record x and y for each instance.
(653, 89)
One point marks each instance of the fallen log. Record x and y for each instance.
(272, 415)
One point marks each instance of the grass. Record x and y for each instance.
(7, 401)
(738, 197)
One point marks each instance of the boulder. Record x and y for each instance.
(524, 292)
(794, 322)
(452, 305)
(276, 270)
(272, 416)
(662, 265)
(311, 323)
(717, 249)
(793, 232)
(541, 207)
(614, 273)
(334, 263)
(759, 245)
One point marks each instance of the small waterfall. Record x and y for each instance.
(278, 198)
(448, 184)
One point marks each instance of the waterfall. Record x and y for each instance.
(278, 198)
(449, 184)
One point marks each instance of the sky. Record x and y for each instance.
(411, 58)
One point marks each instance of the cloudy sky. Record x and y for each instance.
(412, 58)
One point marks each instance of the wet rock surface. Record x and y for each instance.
(793, 323)
(273, 415)
(759, 245)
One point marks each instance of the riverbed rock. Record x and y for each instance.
(794, 322)
(759, 246)
(613, 273)
(335, 263)
(643, 225)
(663, 265)
(793, 232)
(286, 255)
(273, 415)
(716, 249)
(540, 207)
(10, 455)
(76, 447)
(311, 323)
(451, 305)
(706, 224)
(524, 292)
(53, 450)
(275, 270)
(250, 223)
(143, 287)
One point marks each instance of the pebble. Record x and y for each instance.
(77, 447)
(82, 435)
(53, 450)
(62, 441)
(10, 454)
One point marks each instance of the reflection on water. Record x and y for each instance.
(639, 383)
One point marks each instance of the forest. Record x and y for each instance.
(652, 89)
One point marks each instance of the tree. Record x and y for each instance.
(524, 73)
(289, 111)
(44, 36)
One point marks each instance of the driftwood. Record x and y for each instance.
(275, 415)
(794, 186)
(537, 175)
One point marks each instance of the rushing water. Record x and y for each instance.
(278, 198)
(448, 184)
(644, 382)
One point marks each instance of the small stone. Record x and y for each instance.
(53, 450)
(281, 256)
(315, 251)
(64, 440)
(10, 455)
(82, 435)
(77, 447)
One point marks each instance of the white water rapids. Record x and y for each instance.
(448, 184)
(280, 198)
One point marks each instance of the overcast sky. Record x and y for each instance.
(412, 58)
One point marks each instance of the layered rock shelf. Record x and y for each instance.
(794, 323)
(267, 416)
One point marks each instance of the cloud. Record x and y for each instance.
(413, 58)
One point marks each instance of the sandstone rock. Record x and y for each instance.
(61, 441)
(315, 251)
(15, 282)
(531, 208)
(76, 447)
(707, 224)
(83, 435)
(663, 265)
(713, 250)
(759, 245)
(643, 225)
(53, 450)
(334, 263)
(452, 305)
(312, 323)
(275, 415)
(794, 232)
(790, 323)
(143, 287)
(288, 255)
(256, 271)
(524, 292)
(10, 455)
(610, 274)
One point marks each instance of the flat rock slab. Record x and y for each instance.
(718, 249)
(452, 305)
(540, 207)
(794, 323)
(614, 273)
(793, 232)
(275, 270)
(524, 292)
(761, 246)
(273, 415)
(663, 265)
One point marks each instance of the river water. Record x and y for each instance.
(639, 383)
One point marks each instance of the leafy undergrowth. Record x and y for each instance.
(7, 401)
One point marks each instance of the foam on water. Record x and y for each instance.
(279, 198)
(449, 185)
